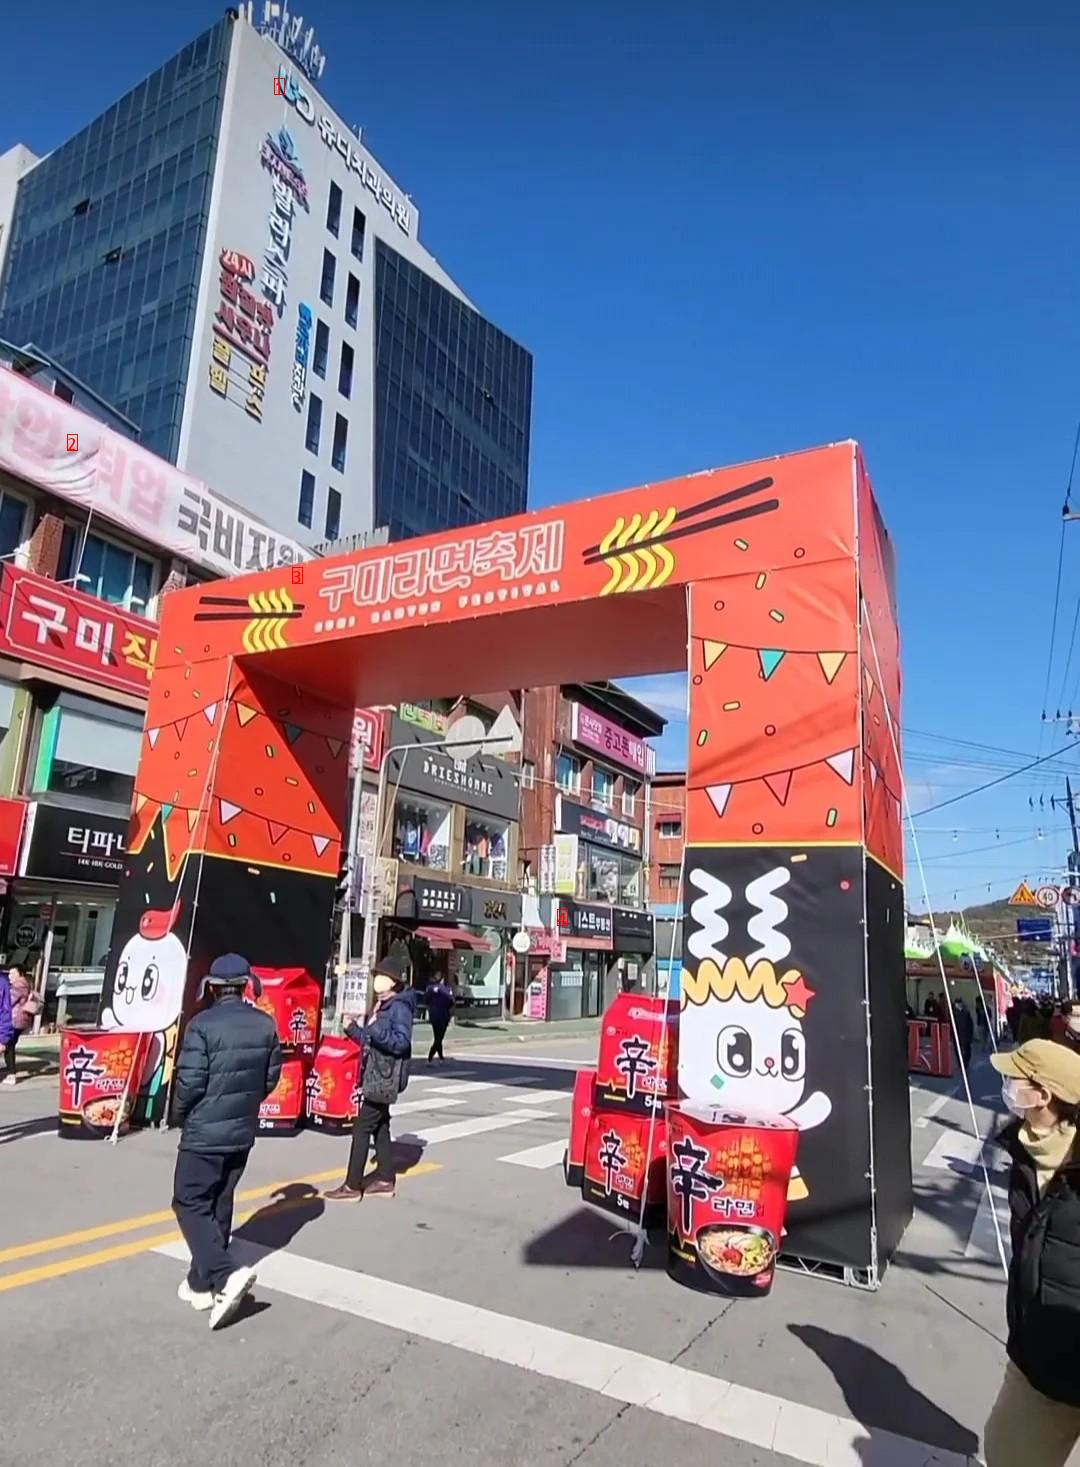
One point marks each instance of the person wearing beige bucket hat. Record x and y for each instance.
(1036, 1418)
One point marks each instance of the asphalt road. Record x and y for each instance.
(484, 1315)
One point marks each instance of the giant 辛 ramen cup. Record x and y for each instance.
(727, 1182)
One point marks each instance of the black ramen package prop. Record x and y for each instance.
(638, 1053)
(580, 1115)
(333, 1087)
(625, 1157)
(100, 1074)
(727, 1183)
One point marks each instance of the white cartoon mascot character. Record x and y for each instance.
(148, 989)
(747, 1050)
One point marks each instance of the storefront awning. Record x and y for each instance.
(451, 939)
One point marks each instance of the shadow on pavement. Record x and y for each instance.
(555, 1076)
(277, 1223)
(880, 1396)
(588, 1239)
(407, 1151)
(20, 1130)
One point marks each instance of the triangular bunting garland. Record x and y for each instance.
(831, 663)
(140, 801)
(869, 684)
(181, 728)
(152, 734)
(718, 795)
(245, 714)
(779, 784)
(166, 811)
(192, 819)
(276, 831)
(292, 732)
(713, 652)
(770, 660)
(210, 712)
(336, 746)
(320, 842)
(843, 764)
(228, 811)
(873, 775)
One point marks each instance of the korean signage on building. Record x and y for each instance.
(65, 844)
(577, 921)
(52, 444)
(300, 359)
(434, 901)
(289, 32)
(368, 737)
(606, 738)
(486, 785)
(565, 868)
(52, 626)
(495, 908)
(425, 718)
(592, 825)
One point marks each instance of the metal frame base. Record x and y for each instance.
(867, 1279)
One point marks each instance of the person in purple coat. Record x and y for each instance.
(439, 997)
(8, 1036)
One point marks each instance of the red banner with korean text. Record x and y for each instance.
(51, 625)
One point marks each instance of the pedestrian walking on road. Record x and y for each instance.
(229, 1062)
(965, 1031)
(439, 997)
(1036, 1419)
(387, 1046)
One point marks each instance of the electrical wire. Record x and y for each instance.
(989, 785)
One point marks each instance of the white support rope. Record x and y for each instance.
(941, 962)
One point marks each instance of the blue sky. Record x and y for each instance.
(730, 231)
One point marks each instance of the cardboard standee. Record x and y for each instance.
(771, 584)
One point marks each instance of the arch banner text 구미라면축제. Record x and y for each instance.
(772, 583)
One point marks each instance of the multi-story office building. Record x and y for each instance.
(219, 257)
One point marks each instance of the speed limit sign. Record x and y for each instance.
(1048, 896)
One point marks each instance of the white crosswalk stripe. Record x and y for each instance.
(550, 1154)
(539, 1097)
(473, 1126)
(409, 1107)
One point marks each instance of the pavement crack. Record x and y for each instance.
(588, 1446)
(702, 1332)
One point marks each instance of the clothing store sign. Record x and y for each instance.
(593, 825)
(495, 908)
(440, 900)
(65, 844)
(485, 785)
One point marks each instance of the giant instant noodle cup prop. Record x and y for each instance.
(293, 999)
(100, 1074)
(621, 1167)
(638, 1058)
(282, 1112)
(580, 1116)
(333, 1087)
(727, 1185)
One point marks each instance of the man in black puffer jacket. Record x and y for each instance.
(229, 1062)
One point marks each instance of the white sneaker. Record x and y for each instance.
(187, 1295)
(9, 1080)
(237, 1287)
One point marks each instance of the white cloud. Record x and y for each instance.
(666, 695)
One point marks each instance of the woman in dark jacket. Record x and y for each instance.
(387, 1042)
(1036, 1419)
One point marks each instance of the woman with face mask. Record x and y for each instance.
(387, 1044)
(1036, 1419)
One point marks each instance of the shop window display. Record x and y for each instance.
(603, 876)
(485, 851)
(422, 833)
(630, 885)
(476, 978)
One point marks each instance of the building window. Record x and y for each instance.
(341, 442)
(329, 269)
(358, 226)
(603, 788)
(669, 829)
(64, 393)
(345, 370)
(528, 774)
(333, 210)
(568, 773)
(333, 514)
(422, 833)
(631, 790)
(88, 749)
(314, 423)
(352, 300)
(669, 876)
(630, 871)
(485, 849)
(306, 509)
(322, 349)
(103, 569)
(12, 523)
(603, 875)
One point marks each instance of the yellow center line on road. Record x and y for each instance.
(152, 1219)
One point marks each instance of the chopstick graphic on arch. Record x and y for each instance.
(679, 521)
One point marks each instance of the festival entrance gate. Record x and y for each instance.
(773, 583)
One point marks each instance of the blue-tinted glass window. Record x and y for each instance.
(12, 523)
(322, 349)
(341, 442)
(314, 423)
(345, 370)
(333, 514)
(359, 226)
(352, 300)
(117, 575)
(306, 509)
(333, 209)
(326, 287)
